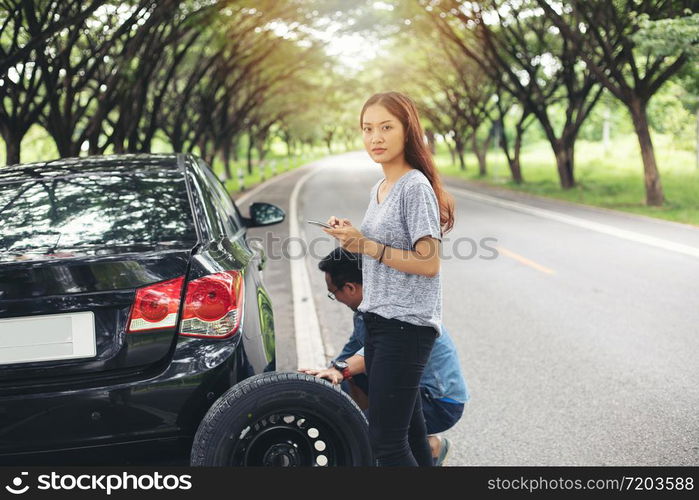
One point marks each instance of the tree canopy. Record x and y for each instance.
(224, 77)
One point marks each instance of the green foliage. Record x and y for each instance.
(668, 114)
(667, 37)
(608, 110)
(296, 95)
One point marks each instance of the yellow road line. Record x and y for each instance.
(524, 260)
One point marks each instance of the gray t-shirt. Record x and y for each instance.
(408, 212)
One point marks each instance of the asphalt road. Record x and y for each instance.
(576, 327)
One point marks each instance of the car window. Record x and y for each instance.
(96, 210)
(222, 200)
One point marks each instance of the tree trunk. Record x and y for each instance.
(203, 149)
(250, 147)
(63, 144)
(133, 140)
(71, 150)
(482, 165)
(459, 146)
(564, 152)
(261, 151)
(175, 142)
(480, 150)
(118, 136)
(119, 146)
(654, 188)
(94, 148)
(451, 152)
(146, 143)
(431, 142)
(94, 142)
(512, 160)
(227, 162)
(13, 144)
(328, 139)
(515, 168)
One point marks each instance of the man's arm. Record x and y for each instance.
(351, 347)
(356, 340)
(356, 365)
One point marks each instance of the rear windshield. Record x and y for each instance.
(139, 209)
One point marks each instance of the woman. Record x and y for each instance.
(400, 235)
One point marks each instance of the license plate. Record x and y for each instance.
(53, 337)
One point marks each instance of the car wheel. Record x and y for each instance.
(283, 420)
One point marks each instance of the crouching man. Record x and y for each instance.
(442, 388)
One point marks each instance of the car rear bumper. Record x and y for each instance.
(165, 408)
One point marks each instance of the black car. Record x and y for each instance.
(133, 317)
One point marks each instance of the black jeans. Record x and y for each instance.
(396, 353)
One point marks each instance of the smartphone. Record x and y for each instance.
(321, 224)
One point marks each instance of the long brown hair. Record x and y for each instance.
(417, 153)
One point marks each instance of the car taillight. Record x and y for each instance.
(156, 306)
(213, 306)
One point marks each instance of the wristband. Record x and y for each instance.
(343, 368)
(382, 252)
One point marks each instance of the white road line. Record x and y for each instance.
(583, 223)
(309, 344)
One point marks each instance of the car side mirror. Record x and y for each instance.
(264, 214)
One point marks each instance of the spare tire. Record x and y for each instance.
(283, 420)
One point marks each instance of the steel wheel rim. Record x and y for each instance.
(293, 438)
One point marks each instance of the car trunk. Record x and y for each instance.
(64, 317)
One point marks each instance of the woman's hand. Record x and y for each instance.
(349, 237)
(352, 239)
(330, 374)
(337, 222)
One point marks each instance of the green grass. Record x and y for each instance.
(610, 179)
